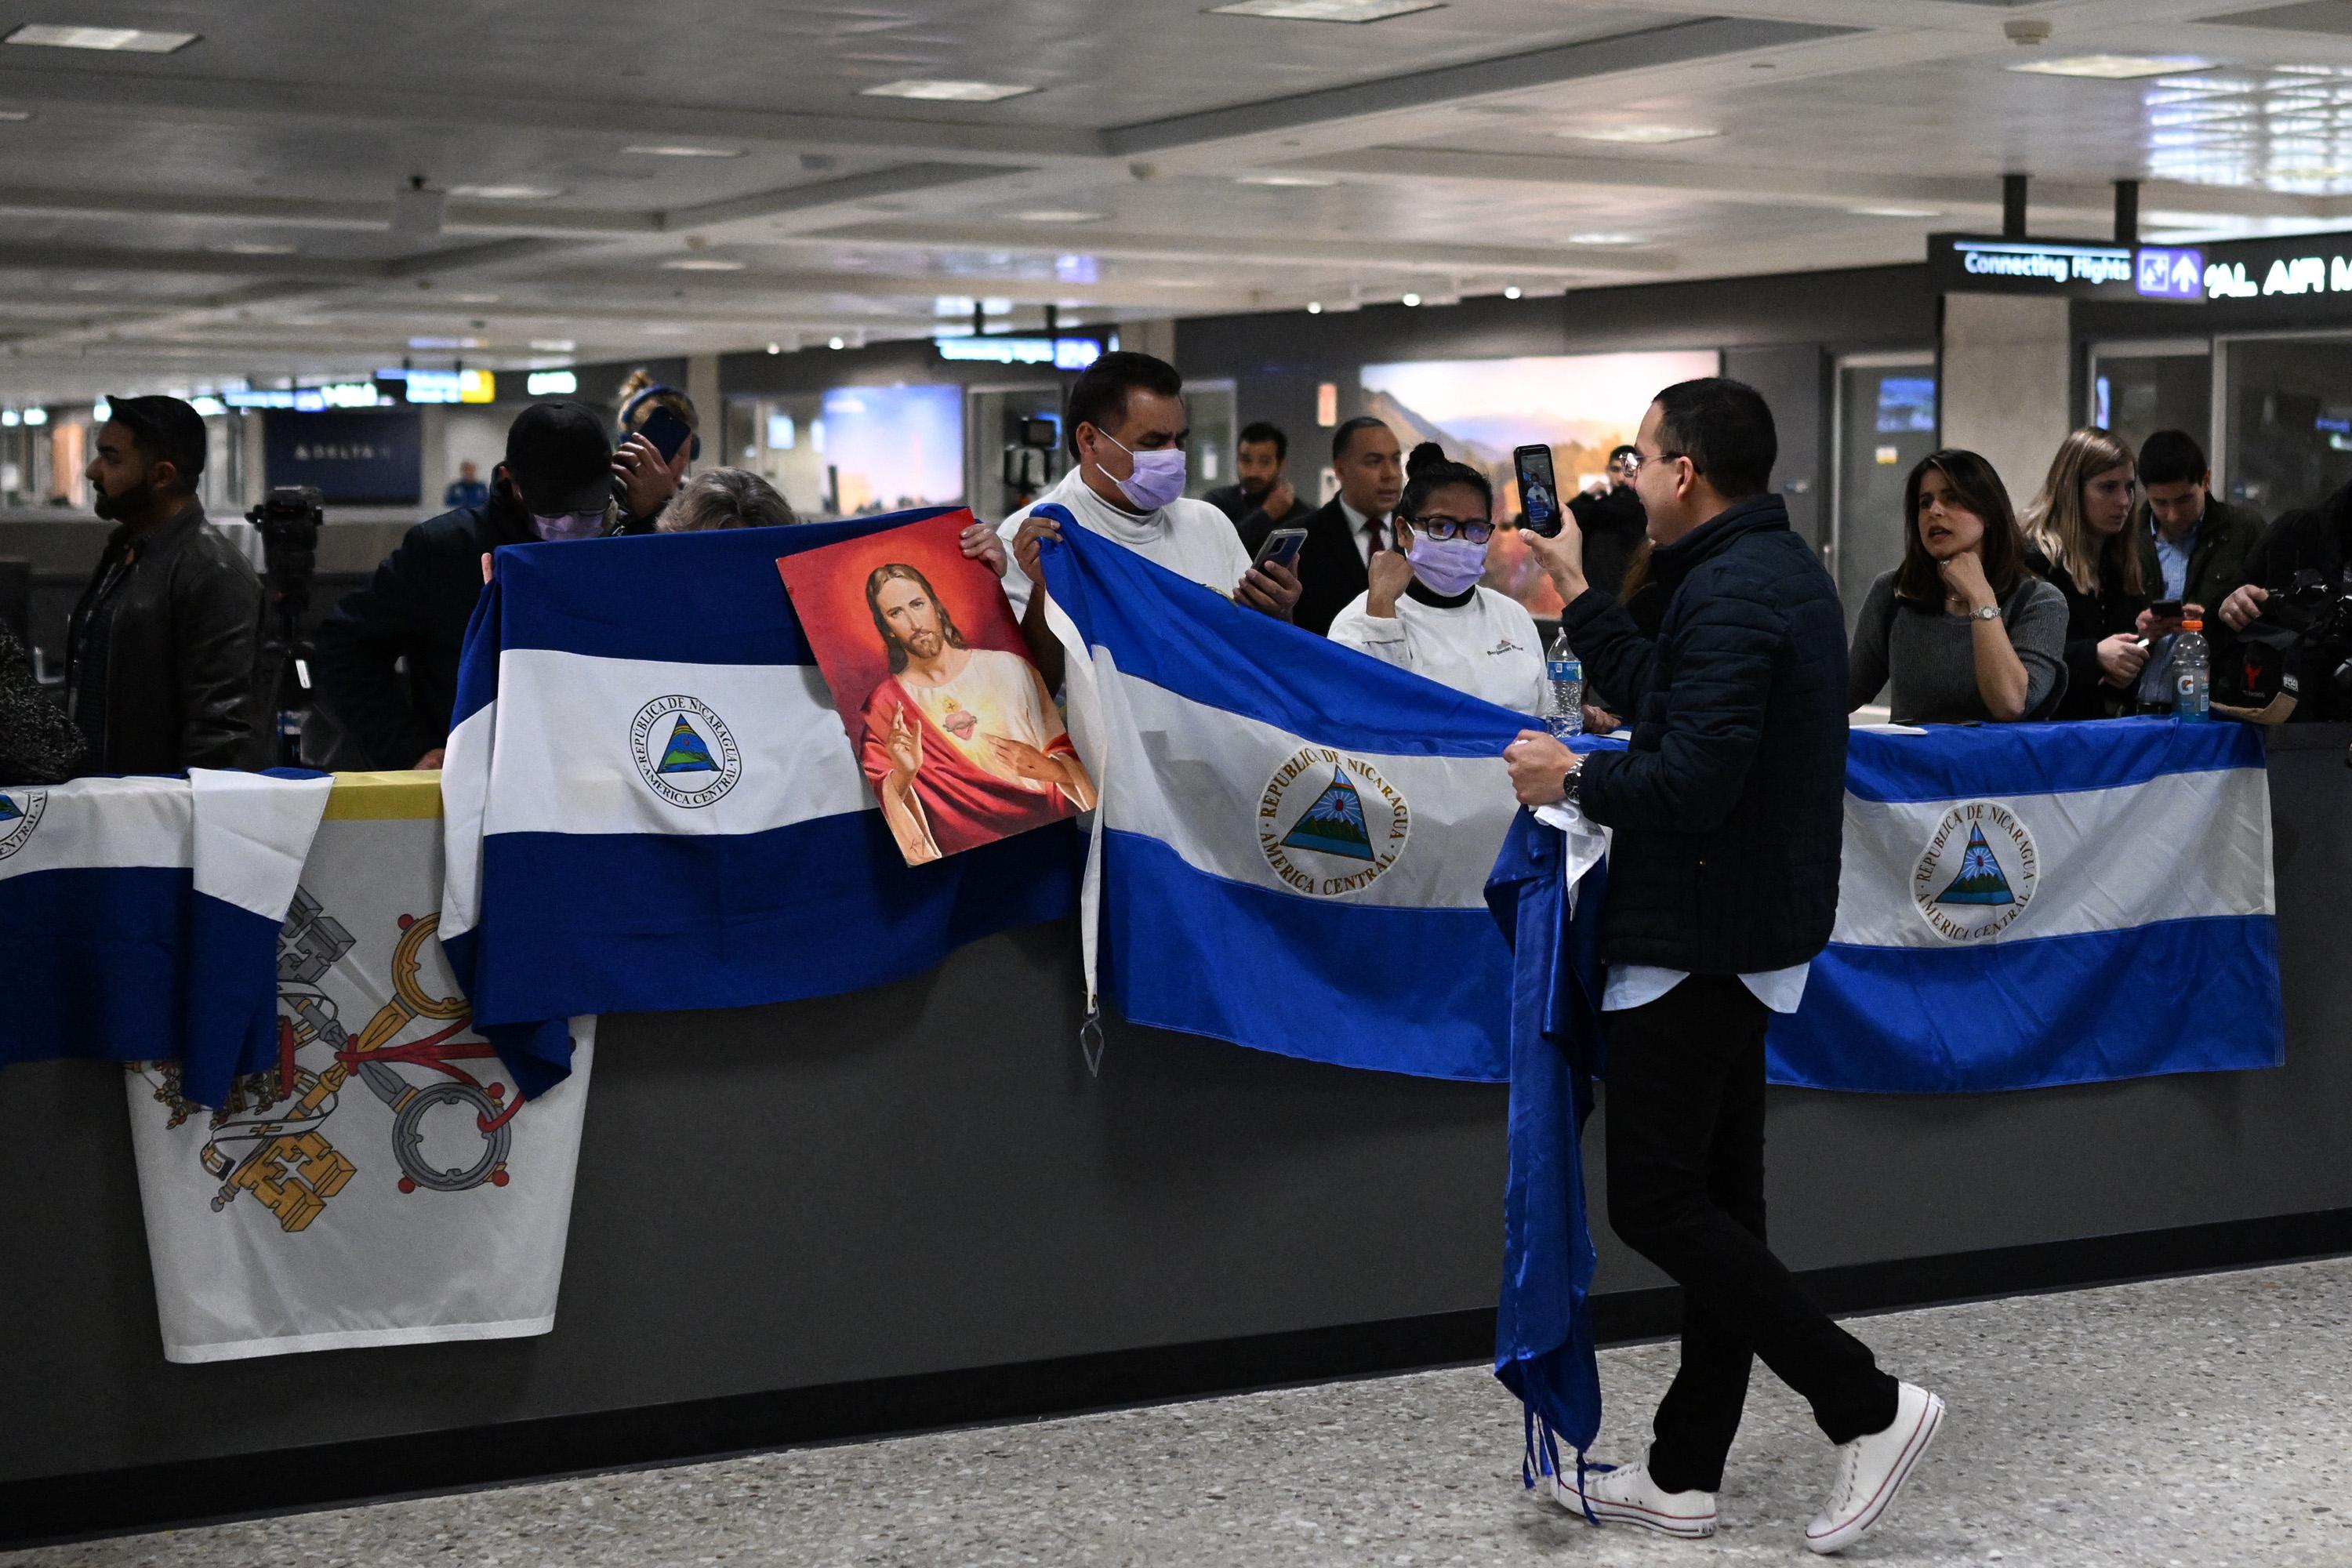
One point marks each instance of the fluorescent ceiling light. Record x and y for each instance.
(1895, 212)
(16, 116)
(1288, 182)
(948, 91)
(1058, 215)
(1353, 10)
(666, 150)
(1638, 135)
(253, 247)
(129, 40)
(702, 264)
(1604, 239)
(505, 192)
(2114, 67)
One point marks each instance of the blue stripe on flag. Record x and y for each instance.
(95, 964)
(647, 923)
(230, 1008)
(1177, 634)
(1954, 761)
(1425, 991)
(2188, 996)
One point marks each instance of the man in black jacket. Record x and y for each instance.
(1261, 499)
(1611, 523)
(1335, 562)
(161, 651)
(556, 483)
(1727, 810)
(2313, 544)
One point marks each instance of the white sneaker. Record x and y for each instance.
(1626, 1495)
(1872, 1470)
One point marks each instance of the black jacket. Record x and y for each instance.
(1331, 572)
(1729, 803)
(180, 683)
(2091, 619)
(2308, 539)
(415, 607)
(38, 745)
(1613, 526)
(1249, 517)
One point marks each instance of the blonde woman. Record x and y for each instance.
(2078, 536)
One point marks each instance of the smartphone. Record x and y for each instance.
(666, 431)
(1281, 548)
(2166, 609)
(1539, 490)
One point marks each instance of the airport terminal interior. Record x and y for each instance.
(863, 1018)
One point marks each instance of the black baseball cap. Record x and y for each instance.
(166, 427)
(559, 459)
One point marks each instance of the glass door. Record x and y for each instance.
(2287, 436)
(2138, 389)
(1012, 446)
(1886, 423)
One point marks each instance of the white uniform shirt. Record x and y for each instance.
(1191, 538)
(1487, 648)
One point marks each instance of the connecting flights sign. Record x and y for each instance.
(2301, 265)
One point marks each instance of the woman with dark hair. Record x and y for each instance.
(1962, 631)
(1425, 611)
(2079, 537)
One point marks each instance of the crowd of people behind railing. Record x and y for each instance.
(2068, 608)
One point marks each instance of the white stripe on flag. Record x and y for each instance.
(252, 835)
(464, 798)
(93, 824)
(2178, 846)
(565, 760)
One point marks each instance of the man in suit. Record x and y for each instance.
(1334, 564)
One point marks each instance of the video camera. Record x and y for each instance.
(288, 522)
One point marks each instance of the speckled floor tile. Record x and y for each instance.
(2173, 1425)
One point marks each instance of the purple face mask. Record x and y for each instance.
(569, 525)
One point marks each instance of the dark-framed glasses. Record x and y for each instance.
(1470, 531)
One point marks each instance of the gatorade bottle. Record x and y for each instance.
(2192, 671)
(1563, 688)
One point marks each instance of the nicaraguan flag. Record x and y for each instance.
(651, 805)
(143, 916)
(1294, 838)
(2023, 905)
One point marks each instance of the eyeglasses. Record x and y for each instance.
(1469, 531)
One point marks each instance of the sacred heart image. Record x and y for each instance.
(1977, 872)
(949, 720)
(1329, 825)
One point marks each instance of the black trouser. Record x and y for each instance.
(1685, 1140)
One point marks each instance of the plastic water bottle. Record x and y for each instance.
(1564, 689)
(2191, 668)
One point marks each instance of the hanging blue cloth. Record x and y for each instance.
(1543, 1325)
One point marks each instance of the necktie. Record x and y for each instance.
(1371, 537)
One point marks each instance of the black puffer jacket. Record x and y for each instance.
(1729, 806)
(38, 745)
(181, 687)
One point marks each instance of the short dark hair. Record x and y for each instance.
(1259, 430)
(1725, 428)
(2171, 458)
(1346, 433)
(899, 571)
(167, 429)
(1978, 488)
(1617, 452)
(1099, 397)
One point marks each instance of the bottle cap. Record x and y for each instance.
(2193, 625)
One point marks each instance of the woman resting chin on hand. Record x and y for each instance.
(1961, 631)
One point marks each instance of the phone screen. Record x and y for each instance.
(1538, 492)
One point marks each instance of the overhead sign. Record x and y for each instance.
(444, 385)
(2075, 269)
(363, 457)
(2167, 273)
(1062, 353)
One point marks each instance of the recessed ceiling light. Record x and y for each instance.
(1511, 292)
(553, 345)
(2114, 67)
(666, 150)
(1288, 182)
(474, 299)
(1314, 306)
(1895, 212)
(505, 192)
(948, 91)
(1354, 11)
(702, 264)
(775, 348)
(833, 342)
(1411, 300)
(1604, 239)
(1638, 135)
(16, 116)
(129, 40)
(1058, 215)
(253, 247)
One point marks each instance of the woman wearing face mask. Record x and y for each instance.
(2078, 531)
(1425, 611)
(1965, 633)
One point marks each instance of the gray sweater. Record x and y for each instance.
(1930, 654)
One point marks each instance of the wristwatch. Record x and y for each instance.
(1985, 613)
(1572, 788)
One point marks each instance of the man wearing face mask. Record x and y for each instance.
(1127, 425)
(556, 483)
(160, 663)
(1425, 610)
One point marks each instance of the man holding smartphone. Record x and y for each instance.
(1727, 812)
